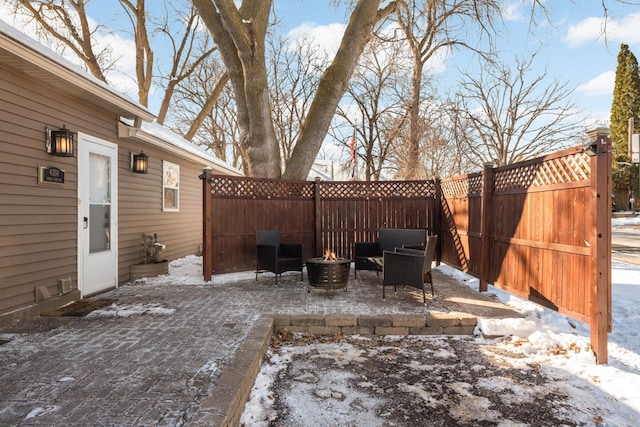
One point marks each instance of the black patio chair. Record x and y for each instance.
(276, 257)
(409, 267)
(368, 255)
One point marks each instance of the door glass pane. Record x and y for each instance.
(99, 203)
(100, 230)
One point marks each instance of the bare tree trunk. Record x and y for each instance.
(332, 86)
(412, 162)
(206, 109)
(239, 35)
(144, 54)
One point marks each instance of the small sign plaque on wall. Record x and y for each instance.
(50, 175)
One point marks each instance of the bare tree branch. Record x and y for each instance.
(504, 115)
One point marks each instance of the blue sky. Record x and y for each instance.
(571, 49)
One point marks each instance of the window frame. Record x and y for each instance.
(170, 181)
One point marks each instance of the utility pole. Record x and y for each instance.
(634, 152)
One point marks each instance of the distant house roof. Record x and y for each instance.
(332, 170)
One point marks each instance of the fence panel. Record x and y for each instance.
(461, 207)
(539, 229)
(344, 212)
(355, 211)
(239, 206)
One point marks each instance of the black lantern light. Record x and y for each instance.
(60, 142)
(140, 163)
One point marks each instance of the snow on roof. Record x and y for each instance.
(18, 42)
(68, 71)
(160, 132)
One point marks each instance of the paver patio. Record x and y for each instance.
(157, 367)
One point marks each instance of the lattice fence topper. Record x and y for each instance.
(377, 190)
(464, 186)
(560, 170)
(239, 187)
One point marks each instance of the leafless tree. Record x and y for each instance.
(188, 50)
(295, 68)
(439, 153)
(239, 34)
(431, 27)
(374, 107)
(64, 23)
(204, 111)
(505, 114)
(67, 23)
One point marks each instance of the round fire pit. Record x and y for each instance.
(328, 274)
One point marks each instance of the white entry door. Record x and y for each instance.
(97, 215)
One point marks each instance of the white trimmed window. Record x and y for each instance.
(170, 187)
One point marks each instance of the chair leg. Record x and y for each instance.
(431, 282)
(424, 296)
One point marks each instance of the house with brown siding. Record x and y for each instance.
(71, 226)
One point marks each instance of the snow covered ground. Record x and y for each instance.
(553, 343)
(600, 395)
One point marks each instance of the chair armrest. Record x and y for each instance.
(291, 250)
(366, 249)
(410, 251)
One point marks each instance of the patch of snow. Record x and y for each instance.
(558, 345)
(127, 310)
(39, 412)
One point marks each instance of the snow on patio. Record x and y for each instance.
(544, 342)
(544, 345)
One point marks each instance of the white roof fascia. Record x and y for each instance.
(29, 50)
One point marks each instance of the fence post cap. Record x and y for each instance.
(599, 131)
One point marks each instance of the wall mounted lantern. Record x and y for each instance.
(60, 142)
(140, 163)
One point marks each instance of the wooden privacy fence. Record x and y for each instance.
(320, 215)
(540, 229)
